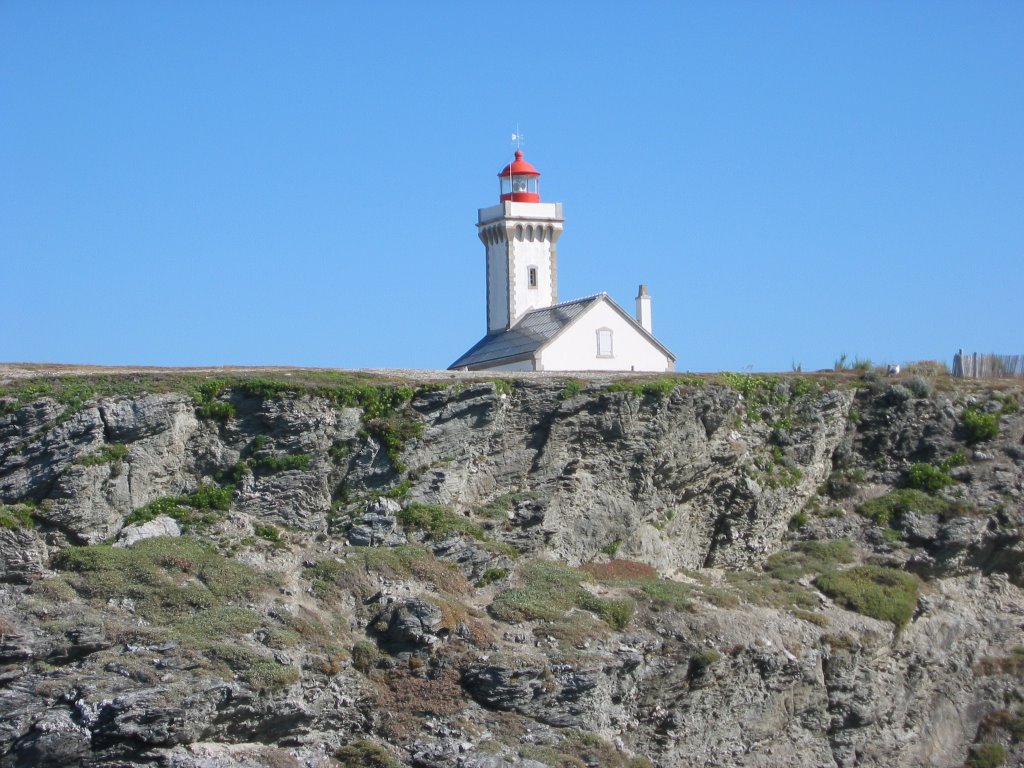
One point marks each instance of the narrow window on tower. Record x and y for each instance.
(604, 342)
(533, 277)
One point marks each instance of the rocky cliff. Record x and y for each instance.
(300, 568)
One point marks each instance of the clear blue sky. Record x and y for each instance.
(296, 183)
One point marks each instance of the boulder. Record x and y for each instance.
(412, 625)
(158, 526)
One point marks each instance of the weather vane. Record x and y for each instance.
(518, 138)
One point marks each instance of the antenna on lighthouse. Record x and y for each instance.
(518, 138)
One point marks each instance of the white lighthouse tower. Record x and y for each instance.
(527, 328)
(520, 234)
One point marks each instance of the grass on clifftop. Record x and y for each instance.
(378, 395)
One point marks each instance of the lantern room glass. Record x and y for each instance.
(517, 184)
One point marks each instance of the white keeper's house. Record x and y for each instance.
(528, 329)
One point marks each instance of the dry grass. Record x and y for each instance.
(1011, 664)
(408, 695)
(619, 569)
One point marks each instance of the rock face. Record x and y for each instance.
(307, 571)
(377, 527)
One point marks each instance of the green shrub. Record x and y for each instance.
(439, 521)
(644, 581)
(219, 410)
(926, 477)
(572, 748)
(779, 587)
(101, 571)
(616, 612)
(239, 472)
(658, 389)
(207, 497)
(704, 659)
(548, 591)
(502, 386)
(208, 405)
(376, 397)
(701, 662)
(365, 656)
(920, 386)
(211, 497)
(195, 510)
(109, 454)
(285, 463)
(988, 755)
(491, 575)
(757, 391)
(802, 386)
(897, 394)
(612, 547)
(16, 516)
(365, 754)
(840, 642)
(392, 432)
(798, 521)
(1009, 403)
(884, 509)
(756, 589)
(268, 532)
(958, 459)
(1015, 726)
(572, 388)
(977, 426)
(809, 557)
(882, 593)
(258, 670)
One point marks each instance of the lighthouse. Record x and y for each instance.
(527, 328)
(520, 235)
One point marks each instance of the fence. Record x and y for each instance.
(975, 366)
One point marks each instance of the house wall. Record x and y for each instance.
(576, 348)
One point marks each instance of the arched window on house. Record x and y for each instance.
(604, 342)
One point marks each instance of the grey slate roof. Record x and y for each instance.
(533, 331)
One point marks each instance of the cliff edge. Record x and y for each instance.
(313, 568)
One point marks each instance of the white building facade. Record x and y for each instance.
(527, 328)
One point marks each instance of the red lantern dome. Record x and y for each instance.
(520, 181)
